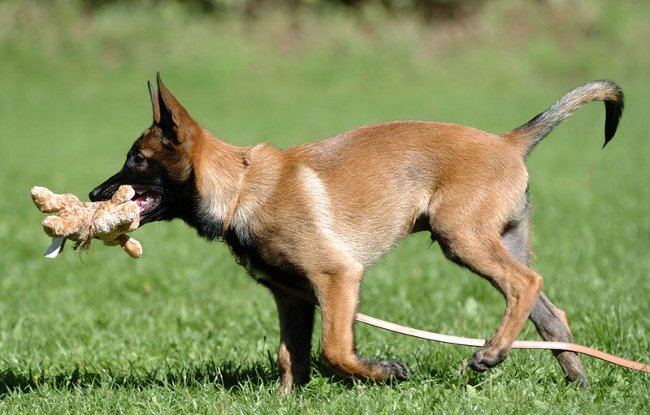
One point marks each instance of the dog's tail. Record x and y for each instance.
(531, 133)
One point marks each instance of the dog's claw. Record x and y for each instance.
(580, 381)
(483, 360)
(397, 371)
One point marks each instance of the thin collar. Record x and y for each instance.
(232, 206)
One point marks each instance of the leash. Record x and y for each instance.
(518, 344)
(465, 341)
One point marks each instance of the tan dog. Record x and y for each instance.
(316, 216)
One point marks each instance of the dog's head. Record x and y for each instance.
(159, 164)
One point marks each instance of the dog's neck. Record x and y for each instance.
(219, 169)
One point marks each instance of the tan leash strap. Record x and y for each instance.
(465, 341)
(518, 344)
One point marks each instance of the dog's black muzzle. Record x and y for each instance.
(149, 195)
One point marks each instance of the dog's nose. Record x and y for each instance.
(95, 194)
(102, 192)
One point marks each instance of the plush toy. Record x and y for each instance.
(82, 221)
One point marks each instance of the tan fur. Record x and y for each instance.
(317, 215)
(332, 209)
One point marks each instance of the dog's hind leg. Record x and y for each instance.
(552, 325)
(296, 326)
(551, 322)
(482, 251)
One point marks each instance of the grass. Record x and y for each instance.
(184, 330)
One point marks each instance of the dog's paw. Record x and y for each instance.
(396, 371)
(486, 358)
(580, 381)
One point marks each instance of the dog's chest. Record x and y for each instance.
(256, 269)
(249, 255)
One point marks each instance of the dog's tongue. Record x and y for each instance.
(145, 201)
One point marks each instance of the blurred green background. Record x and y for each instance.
(183, 329)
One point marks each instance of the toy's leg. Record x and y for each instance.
(129, 245)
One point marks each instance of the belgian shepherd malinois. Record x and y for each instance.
(315, 216)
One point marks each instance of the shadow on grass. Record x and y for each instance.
(228, 374)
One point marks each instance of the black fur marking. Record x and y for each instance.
(207, 226)
(250, 255)
(613, 114)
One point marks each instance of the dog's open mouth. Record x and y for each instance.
(146, 200)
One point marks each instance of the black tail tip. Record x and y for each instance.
(613, 112)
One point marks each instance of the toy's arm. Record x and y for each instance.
(48, 202)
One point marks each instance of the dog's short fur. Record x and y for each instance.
(316, 216)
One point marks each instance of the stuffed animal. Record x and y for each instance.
(82, 221)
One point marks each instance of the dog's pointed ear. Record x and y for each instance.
(172, 118)
(154, 102)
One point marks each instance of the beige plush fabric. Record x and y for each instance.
(82, 221)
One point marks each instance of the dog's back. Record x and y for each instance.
(375, 184)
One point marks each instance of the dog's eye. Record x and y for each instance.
(139, 158)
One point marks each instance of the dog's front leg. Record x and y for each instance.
(338, 295)
(296, 326)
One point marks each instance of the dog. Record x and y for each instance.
(315, 216)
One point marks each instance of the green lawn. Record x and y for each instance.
(184, 330)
